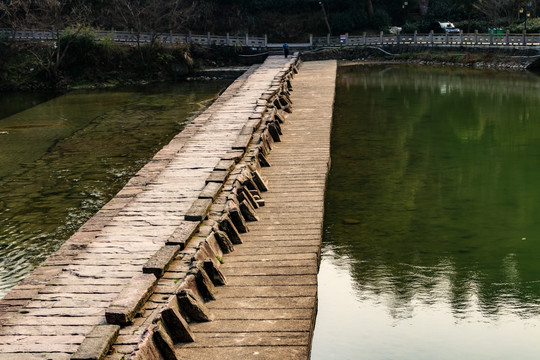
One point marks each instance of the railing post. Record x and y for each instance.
(475, 37)
(381, 38)
(208, 38)
(524, 38)
(365, 38)
(491, 37)
(328, 39)
(247, 39)
(347, 41)
(415, 37)
(507, 38)
(190, 38)
(431, 37)
(398, 37)
(446, 38)
(461, 37)
(228, 40)
(266, 40)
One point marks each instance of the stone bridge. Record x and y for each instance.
(210, 251)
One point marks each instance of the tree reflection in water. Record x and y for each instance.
(433, 199)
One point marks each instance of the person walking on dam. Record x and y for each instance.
(286, 50)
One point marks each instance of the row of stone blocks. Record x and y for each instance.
(237, 182)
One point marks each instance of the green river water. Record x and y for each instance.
(63, 158)
(432, 224)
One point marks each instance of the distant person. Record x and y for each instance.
(286, 50)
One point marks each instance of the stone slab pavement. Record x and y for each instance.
(48, 315)
(267, 309)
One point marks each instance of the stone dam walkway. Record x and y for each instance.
(210, 251)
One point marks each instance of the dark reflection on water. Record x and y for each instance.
(433, 207)
(62, 160)
(12, 103)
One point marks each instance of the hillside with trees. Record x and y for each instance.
(78, 56)
(282, 20)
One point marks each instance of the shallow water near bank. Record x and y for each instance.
(432, 223)
(63, 159)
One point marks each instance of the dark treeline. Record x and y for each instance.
(280, 19)
(77, 56)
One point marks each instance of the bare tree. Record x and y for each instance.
(154, 17)
(14, 14)
(58, 16)
(493, 9)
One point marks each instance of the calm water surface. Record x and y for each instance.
(432, 225)
(63, 159)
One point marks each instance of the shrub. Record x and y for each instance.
(80, 45)
(481, 26)
(380, 20)
(533, 26)
(409, 28)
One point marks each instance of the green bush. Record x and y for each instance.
(81, 45)
(380, 20)
(344, 22)
(409, 28)
(481, 26)
(533, 26)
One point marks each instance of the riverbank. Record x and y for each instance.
(86, 63)
(91, 64)
(508, 59)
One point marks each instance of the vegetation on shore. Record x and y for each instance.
(510, 60)
(79, 58)
(91, 62)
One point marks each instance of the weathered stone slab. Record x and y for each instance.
(177, 327)
(276, 339)
(164, 343)
(274, 132)
(130, 300)
(158, 263)
(183, 233)
(192, 307)
(237, 218)
(205, 285)
(245, 194)
(215, 274)
(248, 212)
(234, 155)
(198, 210)
(225, 165)
(248, 129)
(242, 142)
(263, 161)
(224, 242)
(227, 226)
(97, 343)
(247, 352)
(211, 190)
(217, 176)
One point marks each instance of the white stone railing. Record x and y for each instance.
(127, 37)
(470, 40)
(474, 39)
